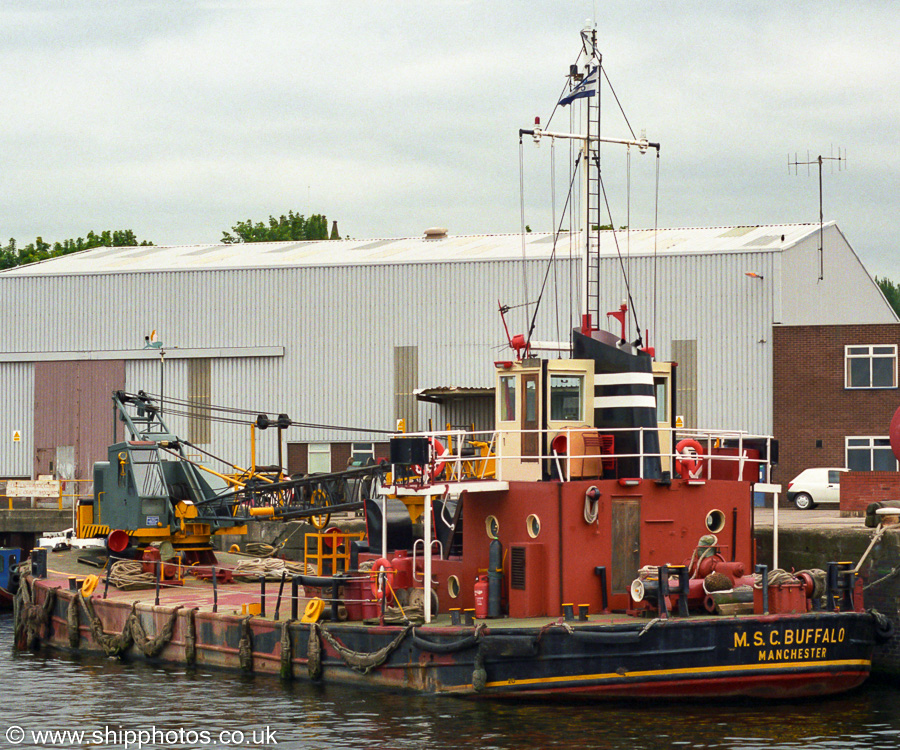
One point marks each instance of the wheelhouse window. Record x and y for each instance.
(872, 366)
(508, 398)
(662, 399)
(870, 454)
(148, 476)
(566, 397)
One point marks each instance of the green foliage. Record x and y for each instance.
(12, 255)
(284, 228)
(891, 291)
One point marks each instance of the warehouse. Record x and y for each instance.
(347, 336)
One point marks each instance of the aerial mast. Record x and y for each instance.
(841, 160)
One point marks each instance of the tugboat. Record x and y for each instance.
(583, 547)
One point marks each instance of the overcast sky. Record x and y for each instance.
(177, 118)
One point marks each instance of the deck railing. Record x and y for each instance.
(571, 453)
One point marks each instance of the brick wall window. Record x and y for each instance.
(870, 366)
(870, 454)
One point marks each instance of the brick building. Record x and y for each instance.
(834, 393)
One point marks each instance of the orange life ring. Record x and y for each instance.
(435, 466)
(379, 565)
(689, 458)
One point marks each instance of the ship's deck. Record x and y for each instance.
(234, 598)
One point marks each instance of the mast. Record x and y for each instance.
(591, 262)
(585, 82)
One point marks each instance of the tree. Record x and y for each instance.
(284, 228)
(891, 292)
(12, 255)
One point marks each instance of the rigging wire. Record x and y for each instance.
(628, 205)
(615, 96)
(571, 228)
(553, 224)
(619, 253)
(537, 304)
(193, 410)
(567, 86)
(655, 236)
(522, 216)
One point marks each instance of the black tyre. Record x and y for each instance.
(804, 501)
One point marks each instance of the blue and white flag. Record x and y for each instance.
(588, 87)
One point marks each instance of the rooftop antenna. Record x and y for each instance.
(841, 160)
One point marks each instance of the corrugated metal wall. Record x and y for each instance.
(16, 416)
(710, 299)
(339, 327)
(72, 409)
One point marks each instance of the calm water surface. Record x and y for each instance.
(106, 699)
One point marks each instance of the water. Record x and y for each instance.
(198, 709)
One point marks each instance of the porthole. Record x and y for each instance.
(492, 526)
(453, 587)
(533, 526)
(715, 521)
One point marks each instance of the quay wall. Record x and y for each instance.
(802, 548)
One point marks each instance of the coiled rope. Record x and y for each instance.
(271, 568)
(129, 575)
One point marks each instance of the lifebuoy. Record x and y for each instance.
(435, 466)
(379, 565)
(689, 458)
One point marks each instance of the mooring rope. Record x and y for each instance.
(72, 622)
(31, 618)
(361, 661)
(287, 671)
(245, 645)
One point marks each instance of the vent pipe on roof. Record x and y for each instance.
(435, 233)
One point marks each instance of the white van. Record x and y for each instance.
(813, 486)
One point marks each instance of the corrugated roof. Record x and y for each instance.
(684, 241)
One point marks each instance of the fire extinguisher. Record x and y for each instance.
(481, 597)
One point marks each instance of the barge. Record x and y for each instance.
(586, 546)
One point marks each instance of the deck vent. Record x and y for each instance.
(436, 233)
(517, 568)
